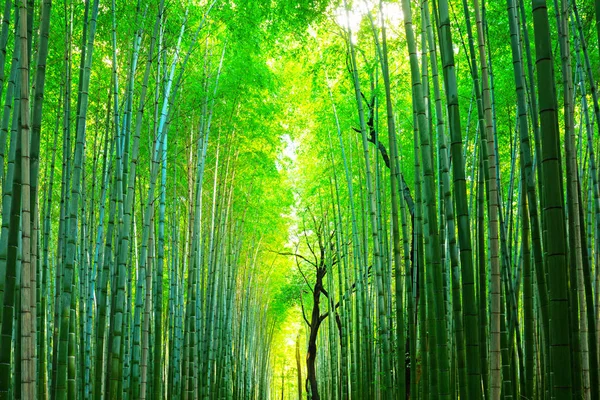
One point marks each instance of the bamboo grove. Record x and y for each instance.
(300, 199)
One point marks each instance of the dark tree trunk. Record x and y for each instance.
(315, 322)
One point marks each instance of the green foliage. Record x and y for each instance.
(264, 144)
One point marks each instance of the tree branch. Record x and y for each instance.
(304, 276)
(309, 246)
(372, 138)
(288, 253)
(303, 312)
(350, 290)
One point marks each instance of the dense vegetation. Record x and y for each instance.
(300, 199)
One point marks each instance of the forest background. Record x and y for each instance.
(307, 198)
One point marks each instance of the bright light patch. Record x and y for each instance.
(392, 13)
(270, 62)
(349, 19)
(289, 150)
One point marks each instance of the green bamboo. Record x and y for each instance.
(432, 231)
(555, 238)
(11, 286)
(28, 289)
(383, 329)
(7, 182)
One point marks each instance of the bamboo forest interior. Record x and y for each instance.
(299, 199)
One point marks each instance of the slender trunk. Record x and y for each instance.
(556, 262)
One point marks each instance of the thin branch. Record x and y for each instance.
(372, 138)
(303, 312)
(304, 276)
(350, 290)
(288, 253)
(309, 246)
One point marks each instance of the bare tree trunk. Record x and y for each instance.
(315, 322)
